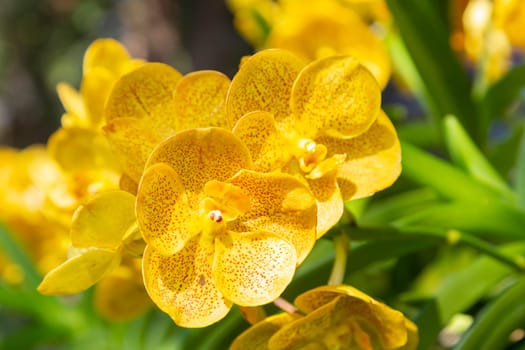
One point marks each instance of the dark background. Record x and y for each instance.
(42, 42)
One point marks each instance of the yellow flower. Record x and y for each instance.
(218, 233)
(315, 29)
(488, 33)
(335, 317)
(27, 210)
(321, 122)
(154, 102)
(103, 231)
(120, 295)
(104, 62)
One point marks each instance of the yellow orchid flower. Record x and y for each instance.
(103, 231)
(104, 62)
(315, 29)
(120, 295)
(321, 122)
(333, 317)
(27, 212)
(218, 233)
(154, 102)
(488, 32)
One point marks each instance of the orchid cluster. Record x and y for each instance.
(198, 192)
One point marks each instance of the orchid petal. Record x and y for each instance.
(79, 273)
(264, 83)
(253, 268)
(201, 155)
(163, 211)
(182, 285)
(200, 100)
(103, 221)
(281, 204)
(335, 96)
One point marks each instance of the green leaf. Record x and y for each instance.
(497, 320)
(426, 36)
(467, 155)
(460, 291)
(18, 256)
(447, 180)
(500, 96)
(520, 174)
(486, 218)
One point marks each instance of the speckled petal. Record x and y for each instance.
(269, 150)
(201, 155)
(310, 330)
(132, 141)
(79, 148)
(146, 92)
(335, 96)
(329, 202)
(106, 53)
(373, 159)
(383, 324)
(257, 336)
(280, 204)
(264, 83)
(253, 268)
(103, 221)
(163, 212)
(79, 273)
(182, 286)
(200, 100)
(95, 89)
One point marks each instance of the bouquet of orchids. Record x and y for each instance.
(257, 210)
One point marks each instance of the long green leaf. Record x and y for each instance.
(467, 155)
(447, 180)
(501, 95)
(492, 328)
(426, 36)
(486, 218)
(520, 174)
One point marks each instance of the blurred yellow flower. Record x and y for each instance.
(314, 29)
(120, 295)
(103, 231)
(27, 210)
(154, 102)
(321, 122)
(488, 33)
(333, 317)
(217, 232)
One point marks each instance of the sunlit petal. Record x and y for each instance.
(79, 273)
(329, 202)
(253, 268)
(200, 100)
(95, 89)
(73, 103)
(269, 150)
(106, 53)
(132, 141)
(280, 204)
(257, 336)
(182, 286)
(201, 155)
(264, 83)
(373, 159)
(146, 92)
(103, 221)
(335, 96)
(163, 211)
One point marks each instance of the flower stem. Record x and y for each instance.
(285, 305)
(341, 253)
